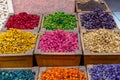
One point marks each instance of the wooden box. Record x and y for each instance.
(17, 60)
(82, 68)
(102, 2)
(35, 30)
(99, 58)
(58, 59)
(33, 69)
(44, 29)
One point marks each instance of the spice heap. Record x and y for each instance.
(97, 19)
(17, 75)
(63, 74)
(90, 5)
(105, 72)
(102, 40)
(23, 21)
(15, 41)
(60, 20)
(58, 41)
(3, 12)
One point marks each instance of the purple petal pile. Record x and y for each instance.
(97, 19)
(58, 41)
(105, 72)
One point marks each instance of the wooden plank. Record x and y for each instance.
(16, 61)
(57, 60)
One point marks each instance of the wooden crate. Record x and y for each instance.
(83, 29)
(102, 2)
(58, 59)
(35, 30)
(33, 69)
(17, 60)
(99, 58)
(44, 29)
(82, 68)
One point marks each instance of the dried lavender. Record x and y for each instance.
(105, 72)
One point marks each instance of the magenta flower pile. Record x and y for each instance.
(58, 41)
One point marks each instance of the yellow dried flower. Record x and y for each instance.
(15, 41)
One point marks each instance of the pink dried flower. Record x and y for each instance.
(58, 41)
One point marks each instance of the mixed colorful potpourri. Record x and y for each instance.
(17, 75)
(23, 21)
(97, 19)
(105, 72)
(58, 41)
(16, 41)
(60, 20)
(63, 74)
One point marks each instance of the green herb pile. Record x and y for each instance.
(60, 20)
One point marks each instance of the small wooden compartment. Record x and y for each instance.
(60, 58)
(35, 30)
(44, 29)
(82, 68)
(33, 69)
(17, 60)
(99, 58)
(101, 2)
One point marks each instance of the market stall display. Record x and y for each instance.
(50, 34)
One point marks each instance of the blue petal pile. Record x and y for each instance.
(17, 75)
(97, 19)
(105, 72)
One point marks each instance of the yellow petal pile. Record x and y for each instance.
(16, 41)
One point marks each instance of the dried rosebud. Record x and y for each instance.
(23, 21)
(58, 41)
